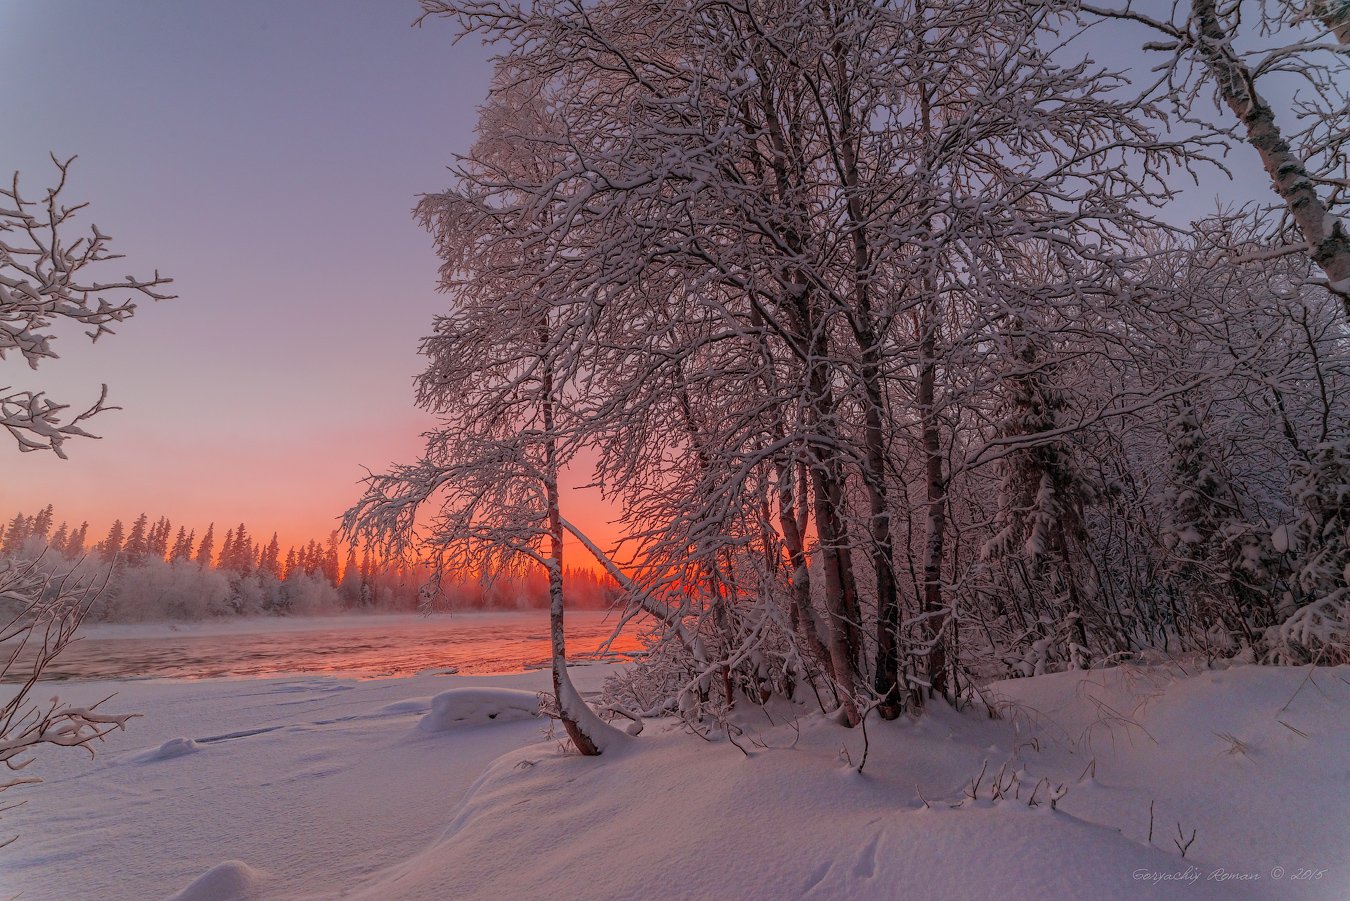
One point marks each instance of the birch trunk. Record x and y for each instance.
(577, 718)
(936, 490)
(1328, 243)
(803, 615)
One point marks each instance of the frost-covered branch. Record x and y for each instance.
(42, 611)
(47, 280)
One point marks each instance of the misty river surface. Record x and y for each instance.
(355, 646)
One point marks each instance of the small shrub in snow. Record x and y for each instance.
(43, 613)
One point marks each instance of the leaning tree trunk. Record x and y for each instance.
(563, 690)
(1328, 243)
(581, 723)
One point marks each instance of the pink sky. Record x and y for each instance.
(266, 156)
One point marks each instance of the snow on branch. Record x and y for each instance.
(46, 279)
(41, 612)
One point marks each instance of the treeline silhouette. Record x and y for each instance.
(157, 571)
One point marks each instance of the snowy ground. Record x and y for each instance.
(322, 788)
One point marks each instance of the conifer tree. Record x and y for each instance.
(182, 545)
(226, 559)
(1216, 558)
(111, 548)
(241, 560)
(206, 549)
(137, 545)
(350, 586)
(268, 561)
(1040, 513)
(59, 539)
(159, 541)
(78, 539)
(16, 534)
(42, 523)
(367, 567)
(1318, 631)
(311, 557)
(329, 560)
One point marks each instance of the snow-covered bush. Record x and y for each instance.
(1318, 629)
(307, 594)
(156, 590)
(40, 612)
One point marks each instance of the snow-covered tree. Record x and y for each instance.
(137, 545)
(864, 315)
(16, 533)
(42, 523)
(111, 547)
(1040, 514)
(269, 561)
(158, 542)
(182, 545)
(767, 269)
(178, 590)
(1318, 630)
(206, 548)
(350, 586)
(489, 475)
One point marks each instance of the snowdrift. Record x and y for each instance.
(478, 706)
(676, 818)
(1245, 768)
(232, 880)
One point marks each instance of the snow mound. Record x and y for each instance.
(790, 821)
(478, 706)
(174, 747)
(232, 880)
(407, 705)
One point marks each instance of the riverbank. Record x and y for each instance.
(318, 781)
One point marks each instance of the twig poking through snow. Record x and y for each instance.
(1182, 842)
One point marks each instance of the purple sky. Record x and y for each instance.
(266, 156)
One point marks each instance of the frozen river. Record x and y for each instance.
(357, 646)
